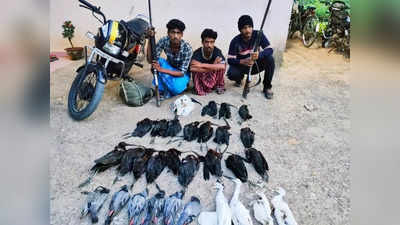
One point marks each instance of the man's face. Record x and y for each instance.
(175, 36)
(208, 44)
(246, 31)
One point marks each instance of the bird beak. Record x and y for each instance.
(230, 178)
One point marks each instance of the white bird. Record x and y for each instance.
(240, 215)
(224, 214)
(282, 212)
(262, 210)
(207, 218)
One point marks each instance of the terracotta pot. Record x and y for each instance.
(75, 53)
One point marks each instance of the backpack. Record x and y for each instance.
(134, 93)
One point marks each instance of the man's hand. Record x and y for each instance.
(247, 62)
(254, 56)
(218, 60)
(156, 65)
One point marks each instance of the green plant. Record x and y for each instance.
(68, 32)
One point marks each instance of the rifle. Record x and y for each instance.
(154, 57)
(246, 88)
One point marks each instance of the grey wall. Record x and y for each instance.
(220, 15)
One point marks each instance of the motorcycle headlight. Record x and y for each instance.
(112, 49)
(348, 19)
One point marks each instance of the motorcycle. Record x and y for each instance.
(337, 32)
(118, 45)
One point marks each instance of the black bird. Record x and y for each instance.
(142, 128)
(244, 113)
(205, 133)
(155, 208)
(140, 163)
(126, 163)
(222, 135)
(212, 164)
(236, 165)
(225, 111)
(159, 129)
(173, 161)
(127, 159)
(94, 202)
(210, 109)
(155, 166)
(191, 131)
(173, 127)
(188, 169)
(118, 201)
(247, 137)
(109, 160)
(257, 159)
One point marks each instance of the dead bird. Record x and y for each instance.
(212, 164)
(244, 113)
(107, 161)
(155, 208)
(137, 206)
(142, 128)
(173, 204)
(247, 137)
(225, 111)
(222, 135)
(191, 131)
(155, 166)
(172, 160)
(191, 210)
(140, 163)
(173, 127)
(159, 129)
(188, 169)
(236, 164)
(210, 109)
(126, 163)
(94, 202)
(118, 201)
(205, 133)
(257, 159)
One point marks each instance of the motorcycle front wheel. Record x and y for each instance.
(309, 31)
(85, 93)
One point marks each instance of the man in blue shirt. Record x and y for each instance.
(173, 74)
(241, 56)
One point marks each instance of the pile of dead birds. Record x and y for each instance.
(142, 209)
(138, 160)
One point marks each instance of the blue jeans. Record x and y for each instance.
(169, 85)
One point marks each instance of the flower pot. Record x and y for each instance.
(75, 53)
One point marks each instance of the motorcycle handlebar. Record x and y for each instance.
(92, 7)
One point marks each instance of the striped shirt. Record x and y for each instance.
(180, 60)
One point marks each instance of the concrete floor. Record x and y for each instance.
(308, 151)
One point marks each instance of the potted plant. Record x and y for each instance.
(74, 52)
